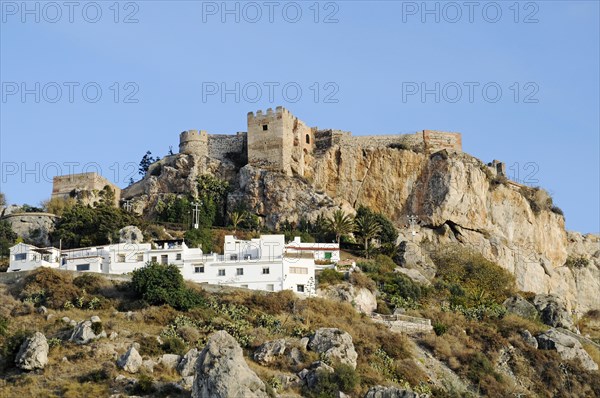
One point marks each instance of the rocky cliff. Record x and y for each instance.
(455, 197)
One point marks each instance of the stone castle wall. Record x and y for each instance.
(221, 146)
(277, 140)
(64, 186)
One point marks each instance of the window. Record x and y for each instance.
(270, 287)
(245, 286)
(266, 271)
(164, 259)
(83, 267)
(199, 269)
(121, 258)
(239, 271)
(178, 256)
(265, 127)
(154, 259)
(221, 272)
(300, 288)
(298, 270)
(307, 139)
(328, 255)
(233, 257)
(21, 257)
(140, 257)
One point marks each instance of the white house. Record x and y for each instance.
(324, 254)
(265, 263)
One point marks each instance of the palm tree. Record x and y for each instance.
(340, 224)
(236, 218)
(368, 229)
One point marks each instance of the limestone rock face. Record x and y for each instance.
(33, 353)
(567, 347)
(131, 361)
(363, 299)
(452, 195)
(391, 392)
(222, 372)
(553, 311)
(130, 234)
(335, 344)
(519, 306)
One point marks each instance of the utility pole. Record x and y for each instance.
(196, 214)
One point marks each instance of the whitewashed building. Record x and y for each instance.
(264, 263)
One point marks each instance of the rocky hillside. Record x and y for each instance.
(455, 196)
(73, 335)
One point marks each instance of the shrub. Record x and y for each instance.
(4, 322)
(382, 308)
(144, 385)
(50, 288)
(359, 280)
(97, 327)
(440, 328)
(163, 284)
(174, 345)
(10, 348)
(346, 377)
(577, 262)
(90, 283)
(329, 277)
(150, 346)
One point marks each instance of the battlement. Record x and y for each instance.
(64, 186)
(193, 142)
(269, 113)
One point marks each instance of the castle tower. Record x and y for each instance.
(193, 142)
(277, 140)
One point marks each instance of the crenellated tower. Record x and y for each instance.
(194, 142)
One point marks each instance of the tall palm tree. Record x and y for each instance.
(236, 218)
(339, 224)
(368, 228)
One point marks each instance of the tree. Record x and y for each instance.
(236, 218)
(339, 224)
(212, 194)
(146, 161)
(367, 228)
(7, 237)
(2, 200)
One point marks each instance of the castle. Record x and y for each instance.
(277, 140)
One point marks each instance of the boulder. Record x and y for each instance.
(566, 346)
(83, 333)
(268, 351)
(335, 344)
(187, 365)
(222, 372)
(95, 319)
(130, 234)
(528, 338)
(170, 361)
(391, 392)
(521, 307)
(42, 310)
(33, 353)
(131, 361)
(148, 365)
(362, 299)
(553, 311)
(311, 375)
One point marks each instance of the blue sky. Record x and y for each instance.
(361, 66)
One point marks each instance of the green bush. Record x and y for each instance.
(330, 277)
(440, 328)
(174, 345)
(346, 377)
(160, 284)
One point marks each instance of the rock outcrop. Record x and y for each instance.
(312, 375)
(553, 311)
(33, 353)
(362, 299)
(567, 347)
(519, 306)
(130, 234)
(391, 392)
(222, 372)
(335, 344)
(269, 351)
(83, 332)
(131, 361)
